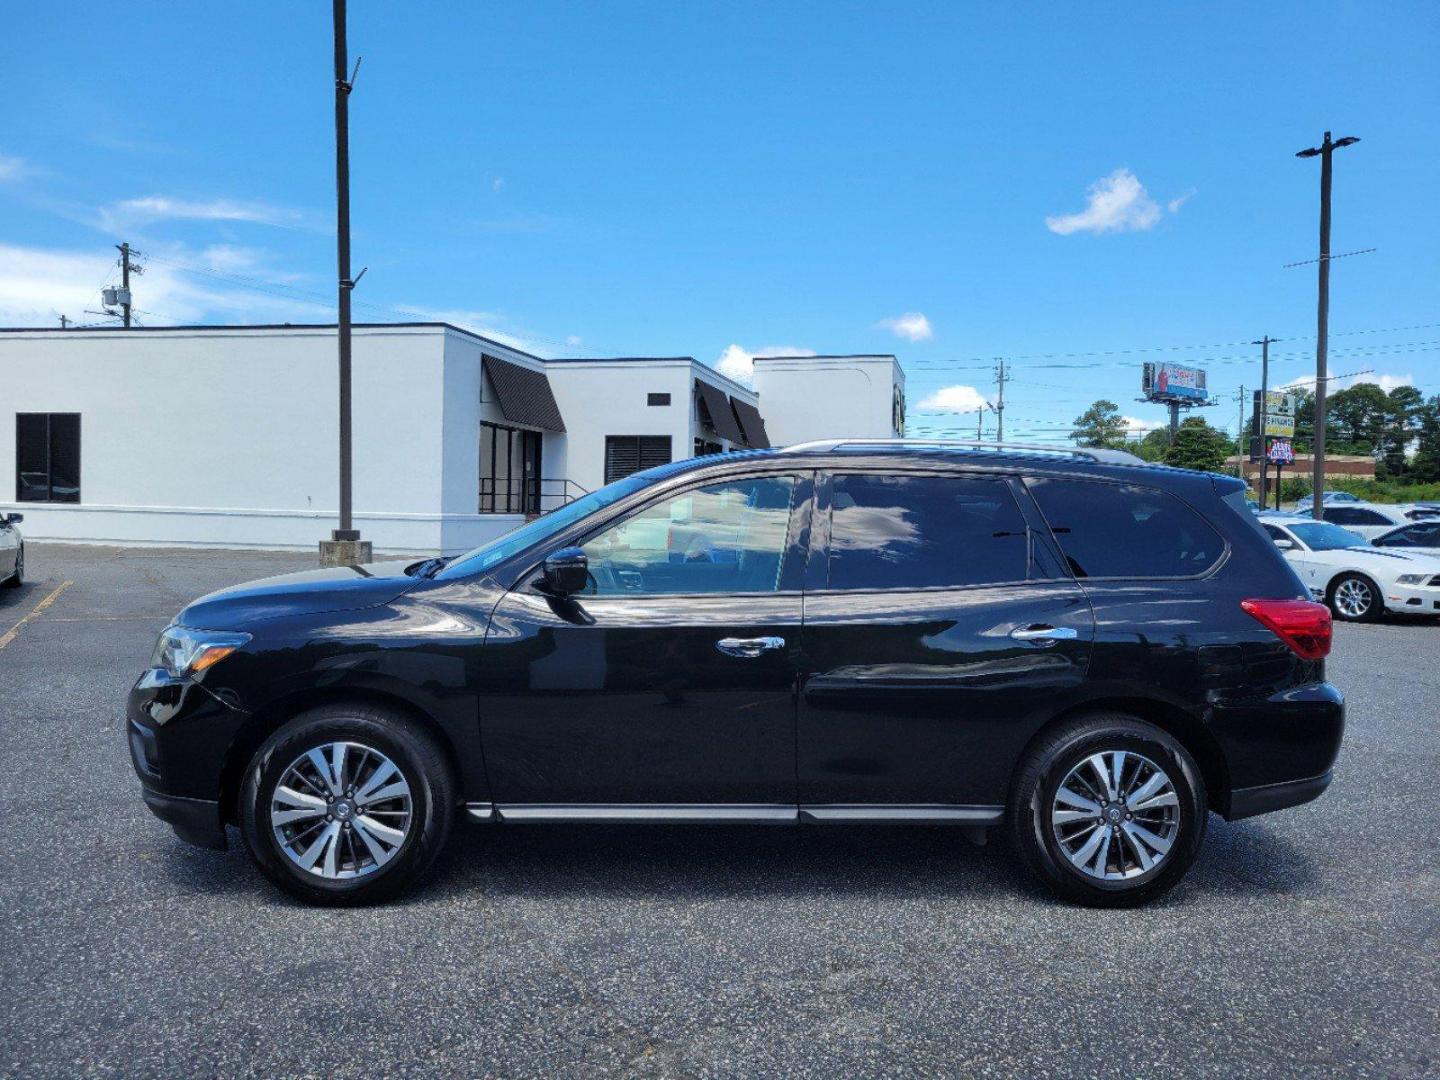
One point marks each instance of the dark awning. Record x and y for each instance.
(750, 423)
(715, 412)
(525, 395)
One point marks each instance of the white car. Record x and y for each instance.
(1421, 537)
(1371, 519)
(12, 551)
(1302, 506)
(1357, 581)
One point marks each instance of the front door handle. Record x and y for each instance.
(1044, 635)
(749, 647)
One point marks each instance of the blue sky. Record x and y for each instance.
(712, 180)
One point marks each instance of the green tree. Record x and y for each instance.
(1199, 446)
(1153, 446)
(1101, 425)
(1425, 465)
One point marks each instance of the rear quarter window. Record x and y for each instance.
(1110, 530)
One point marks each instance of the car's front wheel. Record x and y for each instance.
(1354, 598)
(347, 804)
(1108, 810)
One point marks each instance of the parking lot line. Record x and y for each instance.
(14, 632)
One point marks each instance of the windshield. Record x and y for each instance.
(1322, 536)
(517, 540)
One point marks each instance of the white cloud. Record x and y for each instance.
(12, 168)
(1114, 203)
(37, 284)
(483, 323)
(132, 212)
(953, 399)
(498, 184)
(574, 340)
(1135, 426)
(912, 326)
(738, 363)
(1180, 200)
(1386, 382)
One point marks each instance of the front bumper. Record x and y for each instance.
(1413, 599)
(178, 734)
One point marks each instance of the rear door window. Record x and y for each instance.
(1126, 530)
(919, 532)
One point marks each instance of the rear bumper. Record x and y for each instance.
(1247, 802)
(196, 821)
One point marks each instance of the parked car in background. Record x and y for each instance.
(1084, 650)
(12, 551)
(1303, 505)
(1421, 537)
(1370, 519)
(1355, 579)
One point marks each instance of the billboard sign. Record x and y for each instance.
(1281, 452)
(1278, 412)
(1174, 382)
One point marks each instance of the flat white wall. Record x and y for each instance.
(608, 397)
(803, 398)
(230, 437)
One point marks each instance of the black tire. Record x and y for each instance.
(1371, 612)
(1048, 764)
(15, 580)
(424, 766)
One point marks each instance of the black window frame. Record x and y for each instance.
(1220, 560)
(1042, 564)
(50, 455)
(656, 399)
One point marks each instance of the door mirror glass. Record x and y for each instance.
(566, 572)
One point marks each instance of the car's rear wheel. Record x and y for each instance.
(1108, 810)
(15, 580)
(1354, 598)
(347, 804)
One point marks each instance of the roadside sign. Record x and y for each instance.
(1173, 382)
(1278, 411)
(1281, 452)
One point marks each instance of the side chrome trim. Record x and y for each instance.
(649, 813)
(915, 813)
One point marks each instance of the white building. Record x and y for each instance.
(227, 436)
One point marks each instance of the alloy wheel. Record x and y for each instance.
(1115, 815)
(341, 810)
(1353, 598)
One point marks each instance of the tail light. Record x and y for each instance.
(1301, 624)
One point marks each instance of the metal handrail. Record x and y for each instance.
(518, 495)
(1102, 455)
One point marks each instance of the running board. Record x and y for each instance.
(976, 818)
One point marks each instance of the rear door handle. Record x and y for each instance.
(749, 647)
(1044, 635)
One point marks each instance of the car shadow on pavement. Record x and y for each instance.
(678, 863)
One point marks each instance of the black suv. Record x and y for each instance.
(1088, 651)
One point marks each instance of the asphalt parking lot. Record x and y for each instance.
(1306, 943)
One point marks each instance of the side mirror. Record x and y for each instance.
(566, 572)
(13, 519)
(1285, 545)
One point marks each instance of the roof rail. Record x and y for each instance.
(1101, 455)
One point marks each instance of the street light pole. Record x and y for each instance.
(1325, 152)
(344, 547)
(1264, 344)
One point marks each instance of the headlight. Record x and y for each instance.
(182, 651)
(1411, 579)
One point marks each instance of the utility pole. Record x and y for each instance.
(125, 282)
(1264, 343)
(1325, 151)
(345, 547)
(1240, 436)
(64, 322)
(1000, 380)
